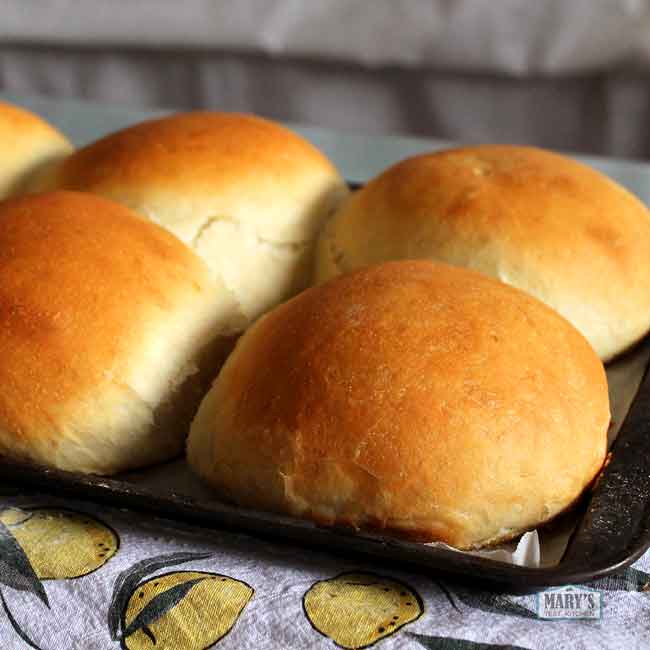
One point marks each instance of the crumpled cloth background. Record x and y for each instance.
(567, 75)
(514, 37)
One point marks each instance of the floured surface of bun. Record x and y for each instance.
(413, 398)
(539, 221)
(108, 326)
(248, 195)
(28, 146)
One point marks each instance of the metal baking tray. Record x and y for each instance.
(612, 521)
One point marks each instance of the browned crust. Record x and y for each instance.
(198, 153)
(81, 281)
(409, 397)
(17, 123)
(538, 220)
(28, 145)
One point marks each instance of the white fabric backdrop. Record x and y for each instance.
(571, 75)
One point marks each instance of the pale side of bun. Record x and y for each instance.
(28, 145)
(248, 195)
(413, 398)
(108, 330)
(537, 220)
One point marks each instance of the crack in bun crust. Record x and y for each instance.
(248, 195)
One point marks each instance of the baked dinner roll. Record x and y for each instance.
(107, 334)
(531, 218)
(28, 144)
(415, 398)
(248, 195)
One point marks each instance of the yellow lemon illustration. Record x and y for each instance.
(356, 610)
(191, 610)
(60, 543)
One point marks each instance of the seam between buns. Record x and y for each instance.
(336, 254)
(234, 324)
(134, 393)
(209, 221)
(204, 227)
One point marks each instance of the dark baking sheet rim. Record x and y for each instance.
(613, 529)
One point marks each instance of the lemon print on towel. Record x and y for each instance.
(356, 610)
(61, 544)
(38, 544)
(178, 610)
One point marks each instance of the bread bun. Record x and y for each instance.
(247, 195)
(107, 334)
(414, 398)
(534, 219)
(28, 145)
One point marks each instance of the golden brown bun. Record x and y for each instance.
(248, 195)
(411, 397)
(28, 145)
(534, 219)
(107, 326)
